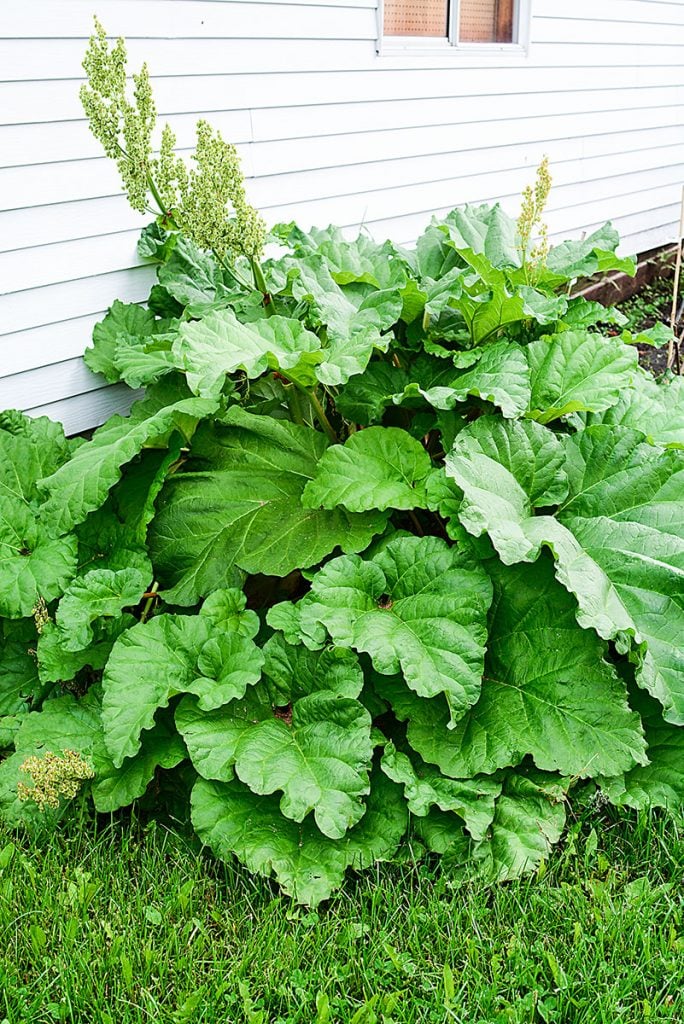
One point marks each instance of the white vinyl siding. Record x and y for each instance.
(328, 131)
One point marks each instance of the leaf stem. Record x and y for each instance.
(321, 416)
(150, 601)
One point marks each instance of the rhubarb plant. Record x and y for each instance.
(390, 552)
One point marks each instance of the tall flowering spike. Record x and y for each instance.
(124, 128)
(206, 202)
(534, 200)
(212, 208)
(54, 777)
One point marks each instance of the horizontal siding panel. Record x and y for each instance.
(303, 154)
(25, 144)
(612, 10)
(76, 180)
(34, 102)
(572, 159)
(48, 384)
(608, 32)
(226, 20)
(50, 304)
(52, 343)
(83, 412)
(54, 59)
(68, 261)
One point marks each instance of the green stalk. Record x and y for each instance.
(321, 416)
(260, 283)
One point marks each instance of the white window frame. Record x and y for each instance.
(450, 46)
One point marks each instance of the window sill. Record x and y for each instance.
(444, 51)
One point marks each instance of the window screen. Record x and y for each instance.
(485, 21)
(416, 18)
(480, 21)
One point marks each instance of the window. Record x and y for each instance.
(460, 22)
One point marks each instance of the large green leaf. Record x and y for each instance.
(547, 693)
(618, 540)
(378, 468)
(227, 664)
(661, 782)
(501, 376)
(353, 328)
(318, 753)
(18, 669)
(123, 320)
(34, 563)
(237, 506)
(148, 665)
(528, 820)
(212, 736)
(591, 255)
(194, 278)
(294, 672)
(208, 350)
(232, 820)
(425, 786)
(576, 371)
(99, 593)
(655, 408)
(417, 606)
(168, 655)
(82, 484)
(29, 450)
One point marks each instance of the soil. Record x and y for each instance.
(649, 306)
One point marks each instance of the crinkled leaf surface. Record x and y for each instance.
(425, 787)
(209, 349)
(227, 665)
(212, 736)
(82, 484)
(34, 563)
(237, 505)
(29, 450)
(377, 468)
(18, 668)
(293, 672)
(319, 757)
(661, 782)
(123, 319)
(618, 540)
(231, 819)
(547, 692)
(528, 821)
(99, 593)
(227, 610)
(501, 376)
(576, 371)
(417, 606)
(655, 408)
(148, 665)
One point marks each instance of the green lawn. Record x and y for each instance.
(131, 924)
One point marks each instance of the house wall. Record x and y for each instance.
(328, 131)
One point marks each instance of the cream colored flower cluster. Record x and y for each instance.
(534, 200)
(54, 776)
(199, 199)
(123, 128)
(206, 202)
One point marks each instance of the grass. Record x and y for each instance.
(128, 923)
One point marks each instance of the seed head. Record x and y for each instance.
(54, 776)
